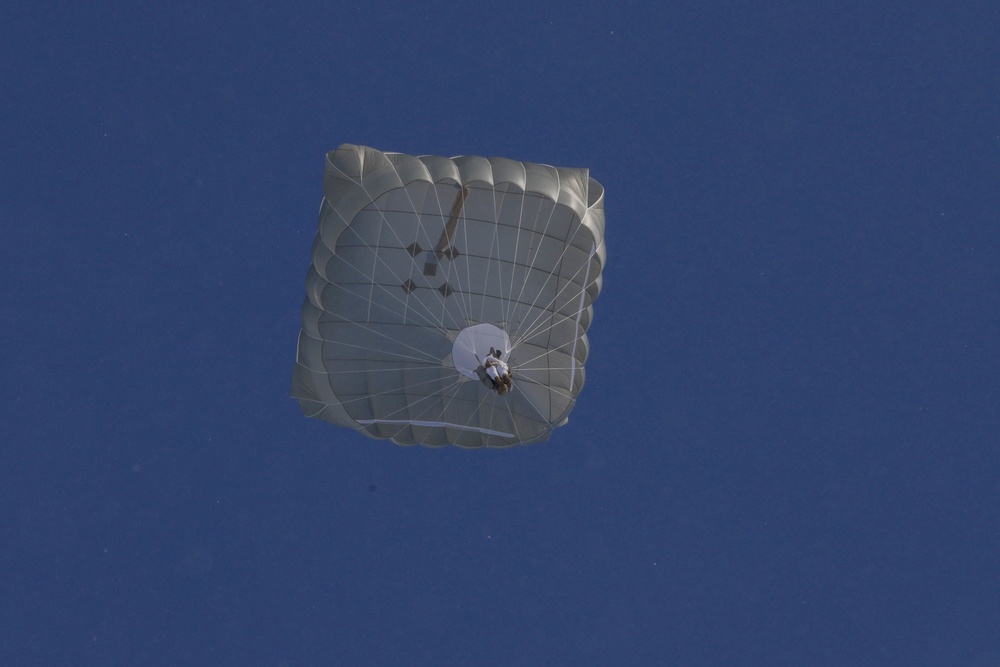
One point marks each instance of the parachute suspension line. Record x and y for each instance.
(429, 321)
(406, 419)
(457, 215)
(359, 271)
(532, 259)
(550, 317)
(487, 395)
(500, 200)
(419, 228)
(498, 206)
(517, 248)
(493, 405)
(431, 403)
(394, 369)
(453, 392)
(423, 358)
(407, 414)
(538, 248)
(507, 301)
(465, 293)
(503, 294)
(447, 403)
(413, 259)
(510, 411)
(537, 328)
(488, 272)
(534, 328)
(545, 418)
(384, 223)
(444, 243)
(548, 387)
(447, 245)
(392, 391)
(495, 242)
(546, 353)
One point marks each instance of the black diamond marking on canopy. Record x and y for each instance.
(446, 290)
(448, 253)
(409, 286)
(414, 249)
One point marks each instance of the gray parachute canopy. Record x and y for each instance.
(420, 267)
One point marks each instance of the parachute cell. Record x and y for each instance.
(424, 265)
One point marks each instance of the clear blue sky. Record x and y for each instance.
(787, 449)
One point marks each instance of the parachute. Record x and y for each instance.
(423, 266)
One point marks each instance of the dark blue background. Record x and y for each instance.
(787, 449)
